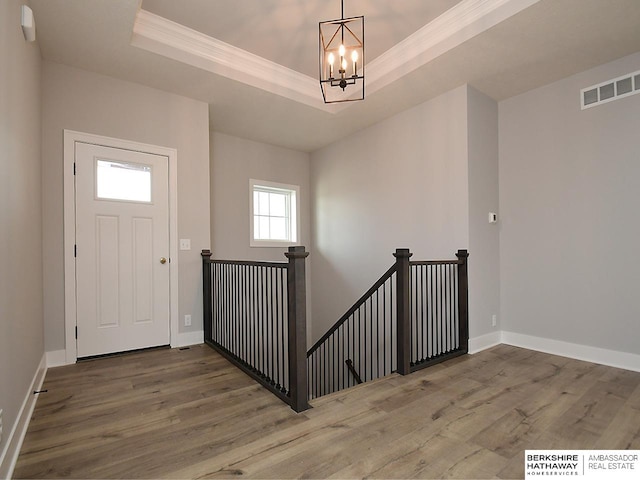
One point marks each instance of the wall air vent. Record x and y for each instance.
(610, 90)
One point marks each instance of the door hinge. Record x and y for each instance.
(74, 168)
(76, 333)
(75, 250)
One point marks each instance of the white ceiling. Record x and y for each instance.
(416, 50)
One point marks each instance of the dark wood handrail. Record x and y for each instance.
(250, 263)
(436, 262)
(355, 307)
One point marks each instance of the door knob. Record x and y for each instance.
(163, 260)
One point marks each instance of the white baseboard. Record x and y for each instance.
(16, 437)
(188, 338)
(612, 358)
(477, 344)
(56, 358)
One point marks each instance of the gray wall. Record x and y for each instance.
(87, 102)
(569, 197)
(233, 162)
(401, 183)
(21, 329)
(484, 238)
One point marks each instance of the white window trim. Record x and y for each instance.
(273, 243)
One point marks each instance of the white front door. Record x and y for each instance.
(122, 257)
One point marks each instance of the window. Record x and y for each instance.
(274, 214)
(116, 180)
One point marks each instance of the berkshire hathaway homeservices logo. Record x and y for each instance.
(583, 464)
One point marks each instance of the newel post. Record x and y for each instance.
(463, 299)
(297, 317)
(402, 314)
(206, 295)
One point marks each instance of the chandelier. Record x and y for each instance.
(342, 59)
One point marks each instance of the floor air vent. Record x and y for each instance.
(610, 90)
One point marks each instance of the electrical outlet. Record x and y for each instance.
(494, 320)
(185, 244)
(187, 320)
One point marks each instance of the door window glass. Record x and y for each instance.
(123, 181)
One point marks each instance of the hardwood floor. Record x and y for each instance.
(190, 414)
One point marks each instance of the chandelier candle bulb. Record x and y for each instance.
(331, 60)
(354, 58)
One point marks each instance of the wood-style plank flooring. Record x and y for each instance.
(191, 414)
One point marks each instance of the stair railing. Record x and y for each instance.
(255, 316)
(439, 315)
(363, 337)
(414, 316)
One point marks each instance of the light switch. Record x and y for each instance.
(185, 244)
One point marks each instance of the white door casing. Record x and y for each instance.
(122, 239)
(127, 221)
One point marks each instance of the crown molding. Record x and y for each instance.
(454, 27)
(173, 40)
(457, 25)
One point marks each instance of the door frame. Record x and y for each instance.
(69, 212)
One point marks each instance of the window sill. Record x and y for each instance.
(271, 244)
